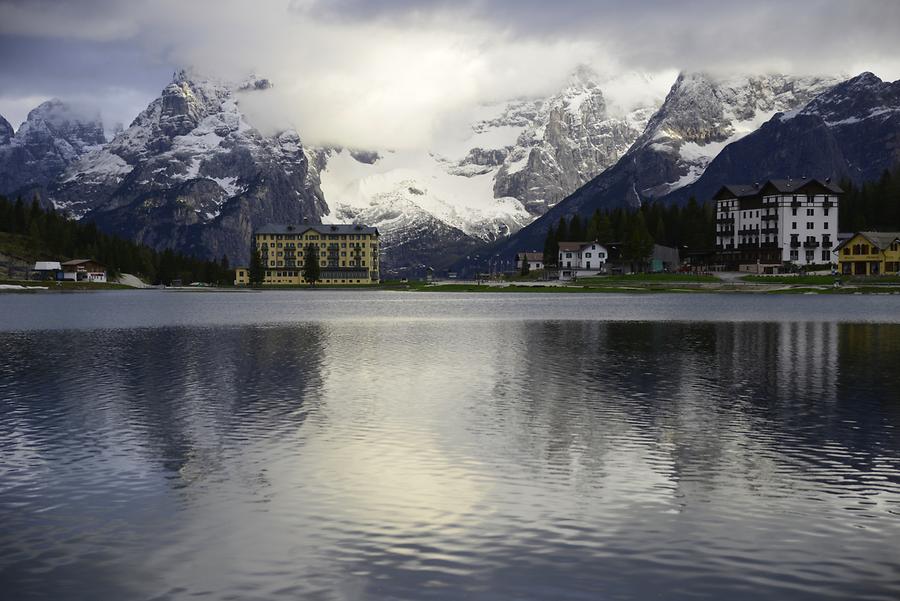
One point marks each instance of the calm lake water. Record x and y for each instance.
(374, 445)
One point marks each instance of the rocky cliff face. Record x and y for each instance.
(568, 139)
(701, 116)
(53, 137)
(191, 173)
(6, 131)
(852, 130)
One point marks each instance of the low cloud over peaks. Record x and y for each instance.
(389, 73)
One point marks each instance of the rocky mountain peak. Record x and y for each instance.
(55, 120)
(191, 172)
(571, 138)
(862, 97)
(6, 131)
(849, 130)
(54, 135)
(254, 82)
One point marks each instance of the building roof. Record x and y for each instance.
(737, 191)
(569, 246)
(77, 262)
(780, 186)
(789, 186)
(531, 256)
(47, 266)
(879, 240)
(321, 228)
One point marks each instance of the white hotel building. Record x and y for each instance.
(777, 222)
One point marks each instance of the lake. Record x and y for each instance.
(344, 445)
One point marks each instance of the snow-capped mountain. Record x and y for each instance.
(569, 138)
(191, 173)
(516, 159)
(53, 136)
(851, 130)
(701, 116)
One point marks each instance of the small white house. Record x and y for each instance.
(581, 259)
(535, 260)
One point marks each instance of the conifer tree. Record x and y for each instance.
(311, 270)
(551, 247)
(562, 230)
(576, 233)
(257, 269)
(638, 242)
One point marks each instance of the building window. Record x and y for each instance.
(809, 212)
(810, 225)
(794, 211)
(826, 256)
(826, 225)
(795, 255)
(810, 256)
(793, 225)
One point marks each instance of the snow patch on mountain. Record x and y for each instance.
(416, 182)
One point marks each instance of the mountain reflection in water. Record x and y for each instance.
(442, 459)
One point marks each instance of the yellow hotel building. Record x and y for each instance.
(348, 254)
(870, 253)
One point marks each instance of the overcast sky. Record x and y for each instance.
(365, 71)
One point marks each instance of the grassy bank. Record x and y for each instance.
(649, 278)
(821, 280)
(52, 286)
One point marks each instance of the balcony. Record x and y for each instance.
(725, 220)
(811, 244)
(826, 243)
(769, 218)
(769, 245)
(828, 204)
(768, 230)
(795, 244)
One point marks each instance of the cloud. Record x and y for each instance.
(391, 73)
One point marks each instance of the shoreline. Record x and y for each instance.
(613, 286)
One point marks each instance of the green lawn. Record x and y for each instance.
(649, 278)
(798, 280)
(820, 280)
(533, 289)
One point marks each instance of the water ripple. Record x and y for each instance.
(450, 458)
